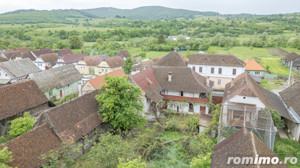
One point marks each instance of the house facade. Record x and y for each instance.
(58, 82)
(46, 61)
(218, 68)
(170, 84)
(254, 68)
(13, 71)
(292, 58)
(19, 98)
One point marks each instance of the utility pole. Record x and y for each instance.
(290, 73)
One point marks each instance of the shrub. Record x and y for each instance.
(21, 125)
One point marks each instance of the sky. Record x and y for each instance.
(221, 6)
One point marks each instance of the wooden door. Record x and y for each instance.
(202, 109)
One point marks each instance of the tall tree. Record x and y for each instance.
(128, 65)
(75, 42)
(161, 39)
(121, 103)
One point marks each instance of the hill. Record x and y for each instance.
(66, 16)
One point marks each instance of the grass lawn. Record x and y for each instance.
(292, 50)
(271, 86)
(287, 148)
(276, 67)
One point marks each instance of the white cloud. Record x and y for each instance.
(222, 6)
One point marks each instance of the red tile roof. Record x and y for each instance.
(145, 79)
(186, 99)
(114, 62)
(100, 81)
(65, 52)
(253, 66)
(92, 60)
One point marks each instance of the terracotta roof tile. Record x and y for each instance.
(114, 62)
(253, 66)
(40, 52)
(65, 52)
(92, 60)
(73, 58)
(100, 81)
(28, 148)
(52, 58)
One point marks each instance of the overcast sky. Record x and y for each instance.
(221, 6)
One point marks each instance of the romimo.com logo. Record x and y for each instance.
(260, 160)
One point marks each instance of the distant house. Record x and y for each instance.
(291, 99)
(174, 38)
(254, 68)
(292, 58)
(110, 64)
(58, 82)
(124, 54)
(75, 121)
(28, 148)
(145, 64)
(182, 89)
(69, 59)
(218, 68)
(99, 81)
(16, 70)
(22, 52)
(46, 61)
(64, 52)
(172, 59)
(242, 144)
(38, 53)
(19, 98)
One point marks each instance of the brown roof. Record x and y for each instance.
(28, 148)
(292, 56)
(253, 66)
(74, 119)
(23, 49)
(216, 60)
(100, 81)
(186, 99)
(124, 53)
(172, 59)
(20, 97)
(114, 62)
(291, 97)
(245, 85)
(241, 144)
(12, 54)
(64, 52)
(29, 55)
(52, 58)
(3, 59)
(40, 52)
(92, 60)
(146, 64)
(183, 79)
(72, 58)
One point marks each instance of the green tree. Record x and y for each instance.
(143, 55)
(128, 65)
(135, 163)
(120, 104)
(75, 42)
(278, 122)
(5, 157)
(21, 125)
(161, 39)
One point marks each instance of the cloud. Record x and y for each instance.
(222, 6)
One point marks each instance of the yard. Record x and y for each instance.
(287, 148)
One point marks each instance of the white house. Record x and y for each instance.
(218, 68)
(13, 71)
(182, 89)
(46, 61)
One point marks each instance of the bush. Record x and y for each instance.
(172, 125)
(135, 163)
(192, 122)
(202, 161)
(5, 157)
(21, 125)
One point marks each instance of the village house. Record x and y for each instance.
(110, 64)
(69, 59)
(103, 57)
(38, 53)
(243, 143)
(27, 149)
(46, 61)
(13, 71)
(19, 98)
(144, 64)
(218, 68)
(124, 54)
(99, 81)
(172, 59)
(64, 52)
(182, 89)
(292, 58)
(291, 99)
(76, 121)
(254, 68)
(58, 82)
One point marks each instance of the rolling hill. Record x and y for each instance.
(64, 16)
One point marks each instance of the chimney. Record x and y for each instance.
(170, 77)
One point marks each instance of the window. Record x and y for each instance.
(212, 70)
(191, 107)
(219, 81)
(181, 93)
(220, 70)
(194, 68)
(68, 85)
(257, 72)
(200, 69)
(234, 72)
(202, 95)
